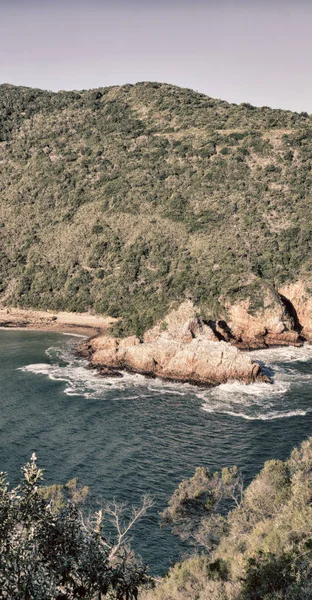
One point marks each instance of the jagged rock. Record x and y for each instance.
(185, 350)
(105, 342)
(107, 372)
(131, 340)
(208, 333)
(270, 325)
(201, 361)
(299, 299)
(107, 357)
(184, 347)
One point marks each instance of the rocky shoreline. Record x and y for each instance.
(182, 348)
(202, 365)
(185, 347)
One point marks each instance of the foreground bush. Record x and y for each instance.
(50, 551)
(261, 549)
(249, 545)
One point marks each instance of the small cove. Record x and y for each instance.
(130, 436)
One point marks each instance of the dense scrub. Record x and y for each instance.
(51, 549)
(126, 200)
(260, 550)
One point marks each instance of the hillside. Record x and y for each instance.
(129, 200)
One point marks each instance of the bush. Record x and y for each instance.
(50, 550)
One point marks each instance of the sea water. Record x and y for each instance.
(133, 436)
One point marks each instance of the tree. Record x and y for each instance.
(49, 550)
(197, 509)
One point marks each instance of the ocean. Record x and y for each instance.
(133, 436)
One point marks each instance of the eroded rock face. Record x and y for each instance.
(270, 325)
(200, 361)
(184, 347)
(299, 295)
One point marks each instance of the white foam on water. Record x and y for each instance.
(264, 417)
(263, 401)
(74, 334)
(63, 366)
(83, 382)
(283, 354)
(258, 401)
(168, 391)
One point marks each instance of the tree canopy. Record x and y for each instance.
(256, 547)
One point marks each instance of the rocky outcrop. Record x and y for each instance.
(180, 348)
(284, 319)
(185, 347)
(297, 296)
(269, 325)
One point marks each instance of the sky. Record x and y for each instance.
(257, 51)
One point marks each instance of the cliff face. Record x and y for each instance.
(271, 325)
(298, 298)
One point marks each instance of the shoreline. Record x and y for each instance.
(47, 330)
(111, 356)
(79, 324)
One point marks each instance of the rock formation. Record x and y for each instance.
(186, 347)
(270, 325)
(297, 296)
(180, 348)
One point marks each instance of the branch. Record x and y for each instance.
(115, 513)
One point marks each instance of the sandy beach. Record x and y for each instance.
(64, 322)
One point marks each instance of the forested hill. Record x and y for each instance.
(126, 200)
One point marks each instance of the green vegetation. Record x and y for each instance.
(51, 550)
(250, 545)
(126, 200)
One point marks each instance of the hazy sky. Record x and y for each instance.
(257, 51)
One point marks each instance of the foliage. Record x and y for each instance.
(263, 550)
(126, 200)
(195, 509)
(50, 550)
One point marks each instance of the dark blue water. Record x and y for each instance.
(128, 437)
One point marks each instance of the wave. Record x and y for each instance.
(259, 401)
(74, 335)
(64, 367)
(262, 401)
(270, 416)
(81, 382)
(284, 354)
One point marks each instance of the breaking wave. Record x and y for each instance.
(283, 354)
(259, 401)
(81, 381)
(263, 401)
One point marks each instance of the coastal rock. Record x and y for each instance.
(105, 342)
(185, 349)
(179, 323)
(131, 340)
(298, 297)
(182, 324)
(107, 357)
(270, 325)
(201, 361)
